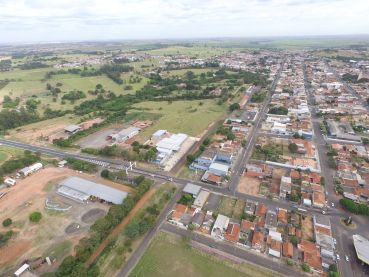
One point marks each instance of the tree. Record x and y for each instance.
(112, 175)
(334, 274)
(138, 180)
(245, 216)
(27, 153)
(111, 240)
(94, 271)
(290, 262)
(133, 230)
(231, 136)
(66, 267)
(227, 177)
(186, 238)
(234, 106)
(349, 205)
(206, 141)
(79, 270)
(333, 267)
(7, 222)
(135, 143)
(294, 240)
(191, 158)
(303, 137)
(322, 181)
(105, 173)
(38, 154)
(122, 174)
(333, 163)
(191, 227)
(121, 250)
(36, 216)
(128, 243)
(296, 136)
(270, 196)
(144, 226)
(202, 147)
(49, 274)
(294, 198)
(363, 209)
(151, 220)
(305, 267)
(293, 147)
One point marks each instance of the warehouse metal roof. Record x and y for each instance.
(98, 190)
(128, 131)
(362, 248)
(72, 128)
(191, 189)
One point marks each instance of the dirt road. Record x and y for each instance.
(122, 224)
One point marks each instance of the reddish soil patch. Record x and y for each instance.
(12, 252)
(249, 185)
(35, 91)
(32, 186)
(8, 158)
(122, 224)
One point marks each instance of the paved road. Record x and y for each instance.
(337, 230)
(230, 248)
(245, 154)
(138, 252)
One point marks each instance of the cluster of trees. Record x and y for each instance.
(352, 207)
(234, 106)
(7, 222)
(280, 110)
(5, 65)
(74, 95)
(82, 165)
(5, 238)
(333, 271)
(121, 175)
(293, 147)
(297, 136)
(113, 71)
(19, 163)
(36, 216)
(99, 231)
(9, 103)
(258, 97)
(62, 142)
(33, 65)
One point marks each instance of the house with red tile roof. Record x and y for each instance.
(257, 241)
(287, 250)
(233, 232)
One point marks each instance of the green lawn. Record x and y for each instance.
(226, 206)
(183, 116)
(163, 258)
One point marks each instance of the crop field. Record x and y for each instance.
(201, 51)
(168, 256)
(183, 116)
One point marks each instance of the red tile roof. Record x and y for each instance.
(233, 232)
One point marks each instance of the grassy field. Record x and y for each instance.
(168, 256)
(3, 156)
(226, 206)
(60, 250)
(239, 209)
(182, 116)
(16, 152)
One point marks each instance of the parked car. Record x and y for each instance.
(334, 241)
(346, 258)
(294, 206)
(332, 204)
(323, 212)
(212, 246)
(338, 257)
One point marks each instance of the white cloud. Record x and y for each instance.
(40, 20)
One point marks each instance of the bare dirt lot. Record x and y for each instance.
(249, 185)
(307, 228)
(98, 141)
(51, 131)
(33, 239)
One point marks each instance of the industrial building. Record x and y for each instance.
(82, 190)
(72, 129)
(30, 169)
(159, 134)
(167, 145)
(126, 134)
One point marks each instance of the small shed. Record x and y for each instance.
(71, 129)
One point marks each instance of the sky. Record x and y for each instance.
(45, 20)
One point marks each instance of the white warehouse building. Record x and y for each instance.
(126, 134)
(30, 169)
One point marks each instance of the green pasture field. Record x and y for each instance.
(201, 51)
(168, 256)
(182, 116)
(16, 152)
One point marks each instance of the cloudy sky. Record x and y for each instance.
(45, 20)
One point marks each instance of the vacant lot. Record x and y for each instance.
(239, 209)
(212, 202)
(249, 185)
(98, 141)
(167, 256)
(307, 228)
(182, 116)
(226, 206)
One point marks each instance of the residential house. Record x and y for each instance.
(220, 226)
(201, 199)
(233, 232)
(311, 255)
(247, 226)
(287, 250)
(207, 223)
(257, 241)
(285, 187)
(282, 216)
(318, 200)
(274, 190)
(250, 207)
(275, 248)
(198, 219)
(261, 211)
